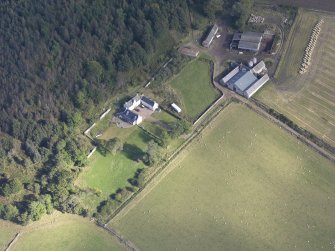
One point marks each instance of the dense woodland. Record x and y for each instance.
(60, 61)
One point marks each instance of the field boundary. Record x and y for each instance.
(289, 40)
(12, 242)
(162, 171)
(124, 242)
(305, 136)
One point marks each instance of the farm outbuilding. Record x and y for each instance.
(256, 86)
(249, 41)
(243, 81)
(209, 39)
(176, 108)
(188, 51)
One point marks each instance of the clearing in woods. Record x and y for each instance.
(244, 184)
(193, 85)
(308, 99)
(58, 232)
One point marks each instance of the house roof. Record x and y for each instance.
(128, 116)
(244, 79)
(130, 102)
(148, 101)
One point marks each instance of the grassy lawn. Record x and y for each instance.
(64, 232)
(309, 99)
(245, 184)
(296, 44)
(108, 173)
(194, 87)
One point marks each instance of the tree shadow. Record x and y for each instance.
(145, 136)
(132, 152)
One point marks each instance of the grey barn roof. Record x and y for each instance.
(245, 45)
(249, 40)
(231, 74)
(210, 36)
(250, 36)
(245, 80)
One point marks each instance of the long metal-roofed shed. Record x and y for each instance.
(241, 81)
(209, 39)
(250, 41)
(256, 86)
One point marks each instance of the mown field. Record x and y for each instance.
(245, 184)
(58, 232)
(108, 173)
(309, 99)
(193, 85)
(296, 44)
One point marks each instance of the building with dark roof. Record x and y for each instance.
(150, 104)
(249, 41)
(189, 51)
(209, 39)
(130, 117)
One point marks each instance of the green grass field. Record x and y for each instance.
(108, 173)
(61, 232)
(244, 184)
(309, 99)
(193, 85)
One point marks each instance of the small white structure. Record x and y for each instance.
(251, 63)
(133, 103)
(105, 113)
(258, 68)
(150, 104)
(176, 108)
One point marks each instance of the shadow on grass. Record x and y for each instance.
(132, 152)
(145, 136)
